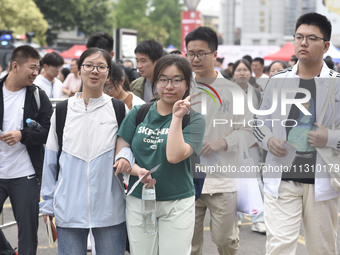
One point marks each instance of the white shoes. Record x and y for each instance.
(259, 227)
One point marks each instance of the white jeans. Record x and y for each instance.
(283, 217)
(175, 219)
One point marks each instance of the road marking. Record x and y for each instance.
(301, 240)
(40, 247)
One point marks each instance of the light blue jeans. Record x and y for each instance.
(108, 240)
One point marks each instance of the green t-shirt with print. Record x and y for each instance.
(148, 143)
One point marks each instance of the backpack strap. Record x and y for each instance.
(60, 115)
(186, 119)
(119, 107)
(37, 97)
(142, 112)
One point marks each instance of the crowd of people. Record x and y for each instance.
(117, 124)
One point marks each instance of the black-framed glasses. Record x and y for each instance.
(90, 68)
(199, 55)
(163, 81)
(309, 38)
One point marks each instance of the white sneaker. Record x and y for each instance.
(259, 227)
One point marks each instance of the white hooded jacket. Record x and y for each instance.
(87, 193)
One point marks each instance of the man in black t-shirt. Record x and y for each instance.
(301, 191)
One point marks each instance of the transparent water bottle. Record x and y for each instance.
(149, 210)
(32, 123)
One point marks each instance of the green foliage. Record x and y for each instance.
(87, 15)
(61, 14)
(129, 12)
(146, 30)
(95, 16)
(167, 14)
(23, 16)
(154, 19)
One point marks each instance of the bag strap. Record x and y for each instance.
(144, 109)
(119, 107)
(142, 112)
(60, 115)
(333, 105)
(37, 97)
(329, 98)
(61, 111)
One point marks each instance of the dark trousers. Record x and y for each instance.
(24, 195)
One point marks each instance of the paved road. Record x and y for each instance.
(250, 242)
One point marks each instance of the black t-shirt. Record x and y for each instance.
(303, 167)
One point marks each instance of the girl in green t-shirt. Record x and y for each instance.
(161, 140)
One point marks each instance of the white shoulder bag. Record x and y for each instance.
(249, 198)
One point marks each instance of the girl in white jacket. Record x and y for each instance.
(86, 195)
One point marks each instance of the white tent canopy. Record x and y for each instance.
(334, 52)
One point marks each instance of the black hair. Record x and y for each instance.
(92, 51)
(52, 59)
(294, 58)
(176, 52)
(101, 40)
(117, 72)
(181, 63)
(318, 20)
(258, 59)
(65, 71)
(284, 65)
(131, 73)
(329, 62)
(204, 34)
(22, 53)
(249, 58)
(238, 62)
(151, 48)
(220, 60)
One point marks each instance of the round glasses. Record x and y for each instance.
(163, 81)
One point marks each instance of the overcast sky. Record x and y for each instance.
(211, 5)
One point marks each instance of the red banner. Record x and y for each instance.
(190, 21)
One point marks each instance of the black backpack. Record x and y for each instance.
(198, 177)
(61, 111)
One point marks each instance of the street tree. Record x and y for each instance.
(23, 16)
(167, 14)
(157, 19)
(130, 12)
(135, 15)
(86, 15)
(147, 30)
